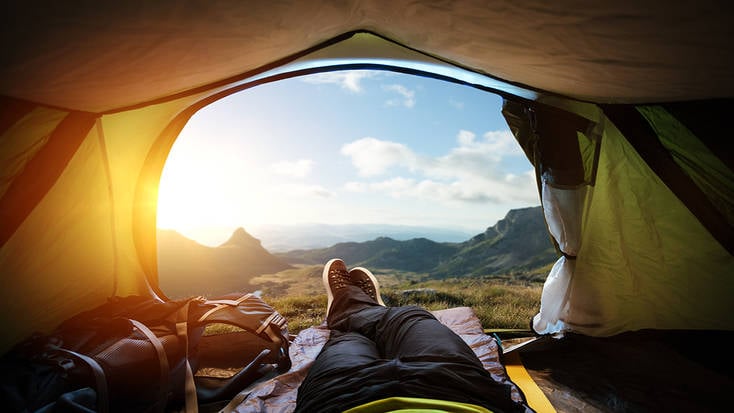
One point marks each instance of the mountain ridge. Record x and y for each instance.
(516, 243)
(284, 238)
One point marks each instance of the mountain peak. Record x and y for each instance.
(187, 268)
(240, 238)
(514, 219)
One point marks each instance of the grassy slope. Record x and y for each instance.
(499, 302)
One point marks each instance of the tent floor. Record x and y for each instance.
(634, 372)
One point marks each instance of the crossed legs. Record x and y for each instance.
(376, 352)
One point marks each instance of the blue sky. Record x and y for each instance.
(345, 147)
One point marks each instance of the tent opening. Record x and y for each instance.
(407, 175)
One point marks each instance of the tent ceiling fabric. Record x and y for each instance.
(83, 56)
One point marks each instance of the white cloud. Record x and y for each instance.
(395, 186)
(455, 191)
(355, 186)
(373, 156)
(472, 171)
(465, 137)
(349, 80)
(510, 189)
(475, 157)
(307, 191)
(526, 186)
(296, 169)
(502, 142)
(407, 95)
(319, 191)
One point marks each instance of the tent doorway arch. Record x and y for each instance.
(471, 200)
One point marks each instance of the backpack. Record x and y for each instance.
(259, 346)
(137, 354)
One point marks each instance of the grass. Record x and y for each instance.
(302, 311)
(499, 302)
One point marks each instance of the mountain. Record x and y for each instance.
(517, 242)
(187, 268)
(419, 254)
(283, 238)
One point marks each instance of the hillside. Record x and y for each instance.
(518, 242)
(187, 268)
(418, 255)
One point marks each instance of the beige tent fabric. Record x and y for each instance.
(87, 57)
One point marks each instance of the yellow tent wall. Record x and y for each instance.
(640, 248)
(92, 235)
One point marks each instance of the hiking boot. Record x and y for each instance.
(364, 279)
(335, 277)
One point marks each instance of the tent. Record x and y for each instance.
(621, 106)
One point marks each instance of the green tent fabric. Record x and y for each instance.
(612, 103)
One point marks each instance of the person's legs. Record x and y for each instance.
(341, 367)
(344, 296)
(339, 362)
(351, 300)
(436, 362)
(367, 282)
(427, 361)
(410, 333)
(404, 333)
(378, 352)
(419, 357)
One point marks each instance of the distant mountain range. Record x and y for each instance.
(283, 238)
(518, 242)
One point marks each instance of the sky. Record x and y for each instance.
(352, 147)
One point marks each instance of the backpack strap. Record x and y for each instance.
(99, 378)
(162, 360)
(272, 326)
(220, 304)
(236, 313)
(273, 319)
(182, 330)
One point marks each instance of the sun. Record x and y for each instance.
(208, 190)
(197, 197)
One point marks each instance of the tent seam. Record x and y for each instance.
(111, 195)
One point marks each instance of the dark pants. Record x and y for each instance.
(376, 352)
